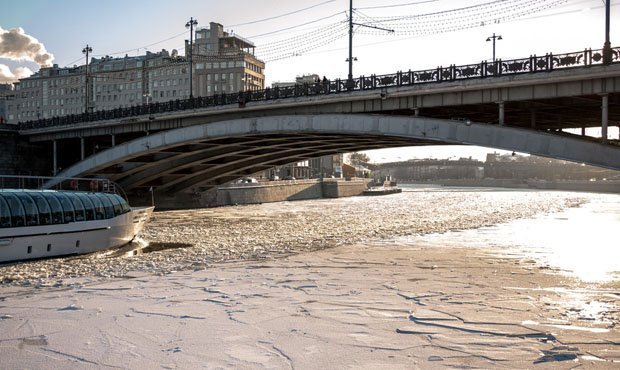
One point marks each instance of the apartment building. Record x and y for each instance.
(222, 63)
(225, 63)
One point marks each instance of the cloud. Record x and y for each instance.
(15, 44)
(8, 76)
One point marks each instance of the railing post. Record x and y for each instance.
(549, 62)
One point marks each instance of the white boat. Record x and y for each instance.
(49, 223)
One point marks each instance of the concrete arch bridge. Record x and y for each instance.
(203, 156)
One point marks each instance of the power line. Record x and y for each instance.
(296, 26)
(132, 49)
(281, 15)
(396, 5)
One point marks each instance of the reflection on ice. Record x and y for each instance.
(580, 241)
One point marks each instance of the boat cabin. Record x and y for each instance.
(20, 208)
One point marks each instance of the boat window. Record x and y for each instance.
(18, 215)
(97, 206)
(107, 205)
(5, 213)
(55, 207)
(67, 207)
(124, 206)
(115, 199)
(45, 213)
(89, 208)
(78, 206)
(30, 209)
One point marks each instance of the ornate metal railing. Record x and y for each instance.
(484, 69)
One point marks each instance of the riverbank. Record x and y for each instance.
(607, 186)
(262, 191)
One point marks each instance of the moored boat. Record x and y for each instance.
(78, 216)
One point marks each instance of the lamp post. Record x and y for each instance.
(190, 24)
(493, 38)
(350, 59)
(607, 54)
(87, 49)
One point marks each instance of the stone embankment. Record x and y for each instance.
(260, 192)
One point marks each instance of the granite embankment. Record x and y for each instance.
(260, 192)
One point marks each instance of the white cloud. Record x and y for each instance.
(15, 44)
(8, 76)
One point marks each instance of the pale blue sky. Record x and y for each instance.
(66, 26)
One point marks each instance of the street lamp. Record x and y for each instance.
(493, 38)
(190, 24)
(607, 53)
(87, 49)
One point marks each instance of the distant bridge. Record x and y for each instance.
(190, 145)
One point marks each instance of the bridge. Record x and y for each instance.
(523, 105)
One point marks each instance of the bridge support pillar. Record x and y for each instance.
(81, 148)
(54, 157)
(533, 118)
(501, 113)
(583, 131)
(113, 140)
(604, 116)
(416, 112)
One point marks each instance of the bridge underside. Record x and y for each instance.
(201, 157)
(203, 164)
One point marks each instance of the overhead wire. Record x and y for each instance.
(396, 5)
(420, 24)
(282, 15)
(404, 25)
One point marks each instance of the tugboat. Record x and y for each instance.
(78, 216)
(388, 187)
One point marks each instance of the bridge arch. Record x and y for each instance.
(202, 156)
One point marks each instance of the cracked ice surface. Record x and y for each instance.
(381, 303)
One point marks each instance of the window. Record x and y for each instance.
(5, 213)
(45, 214)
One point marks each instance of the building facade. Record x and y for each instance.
(225, 63)
(222, 63)
(6, 94)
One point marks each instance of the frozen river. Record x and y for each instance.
(428, 278)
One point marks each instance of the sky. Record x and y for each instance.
(310, 36)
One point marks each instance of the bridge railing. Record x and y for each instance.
(497, 68)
